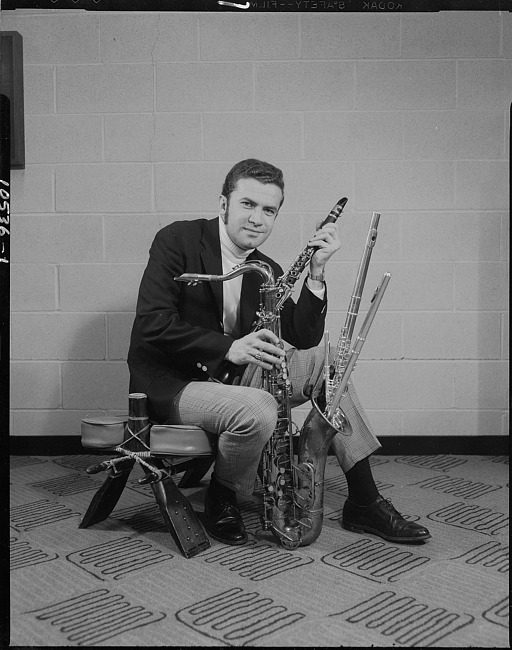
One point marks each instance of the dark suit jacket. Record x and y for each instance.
(177, 335)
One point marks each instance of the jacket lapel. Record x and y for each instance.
(212, 262)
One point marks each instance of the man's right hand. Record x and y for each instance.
(261, 348)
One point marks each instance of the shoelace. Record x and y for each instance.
(391, 508)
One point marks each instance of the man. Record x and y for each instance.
(184, 335)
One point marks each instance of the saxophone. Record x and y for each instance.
(280, 509)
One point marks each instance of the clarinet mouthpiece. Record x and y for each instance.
(333, 215)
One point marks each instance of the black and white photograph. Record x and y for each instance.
(254, 329)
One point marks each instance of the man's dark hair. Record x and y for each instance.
(263, 172)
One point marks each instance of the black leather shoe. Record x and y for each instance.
(222, 518)
(382, 519)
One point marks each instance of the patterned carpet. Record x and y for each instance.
(123, 582)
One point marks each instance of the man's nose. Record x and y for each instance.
(256, 216)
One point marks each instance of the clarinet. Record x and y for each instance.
(286, 282)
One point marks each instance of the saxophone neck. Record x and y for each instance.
(253, 266)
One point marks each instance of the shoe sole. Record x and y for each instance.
(373, 531)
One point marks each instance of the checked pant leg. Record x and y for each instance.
(244, 418)
(305, 368)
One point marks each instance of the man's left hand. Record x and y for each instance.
(327, 242)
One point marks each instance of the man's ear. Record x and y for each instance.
(223, 205)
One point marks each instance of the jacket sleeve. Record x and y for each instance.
(175, 325)
(303, 322)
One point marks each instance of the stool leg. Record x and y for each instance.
(193, 475)
(106, 498)
(179, 516)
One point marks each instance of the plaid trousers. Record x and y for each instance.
(244, 417)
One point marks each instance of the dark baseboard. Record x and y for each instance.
(431, 445)
(391, 445)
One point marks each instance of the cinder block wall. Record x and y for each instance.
(132, 121)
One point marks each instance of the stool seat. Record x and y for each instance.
(181, 440)
(103, 432)
(107, 432)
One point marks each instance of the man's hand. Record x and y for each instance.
(261, 348)
(327, 242)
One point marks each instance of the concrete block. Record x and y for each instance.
(119, 327)
(473, 335)
(45, 422)
(481, 385)
(126, 38)
(58, 336)
(35, 385)
(505, 335)
(454, 135)
(451, 35)
(507, 34)
(458, 236)
(316, 186)
(414, 286)
(38, 89)
(57, 238)
(507, 138)
(452, 422)
(350, 135)
(204, 86)
(235, 136)
(385, 423)
(304, 86)
(505, 237)
(153, 137)
(349, 36)
(404, 185)
(58, 38)
(482, 184)
(33, 287)
(128, 237)
(189, 187)
(399, 85)
(353, 228)
(384, 339)
(63, 138)
(103, 188)
(252, 36)
(484, 84)
(99, 287)
(95, 385)
(32, 189)
(405, 384)
(481, 286)
(105, 88)
(505, 426)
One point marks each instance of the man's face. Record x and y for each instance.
(251, 213)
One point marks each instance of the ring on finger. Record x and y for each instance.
(258, 355)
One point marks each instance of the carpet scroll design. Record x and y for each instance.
(124, 582)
